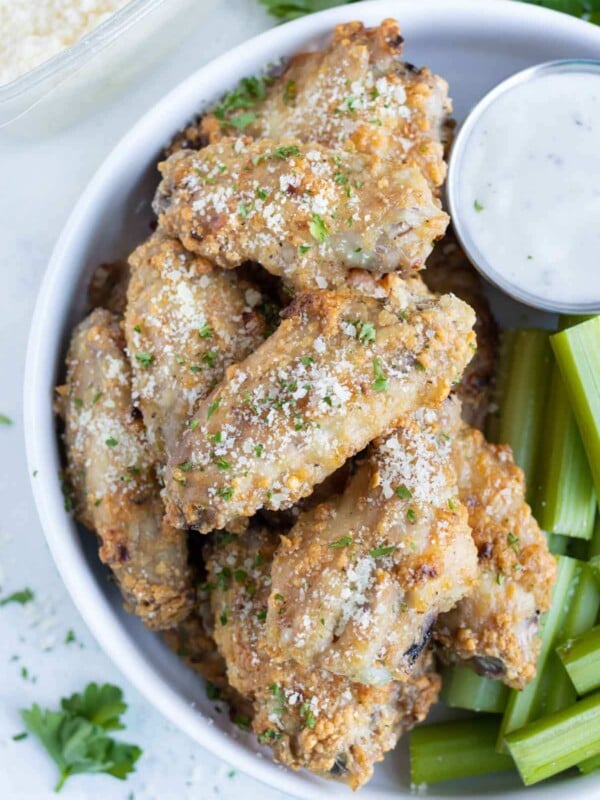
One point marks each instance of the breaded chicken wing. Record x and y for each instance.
(310, 718)
(355, 95)
(449, 270)
(339, 371)
(360, 580)
(108, 287)
(494, 629)
(116, 493)
(186, 321)
(303, 211)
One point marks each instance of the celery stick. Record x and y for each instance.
(457, 749)
(556, 742)
(577, 352)
(589, 765)
(523, 401)
(565, 498)
(556, 689)
(501, 372)
(521, 705)
(581, 658)
(557, 543)
(463, 688)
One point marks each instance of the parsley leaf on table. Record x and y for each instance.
(21, 597)
(76, 736)
(285, 10)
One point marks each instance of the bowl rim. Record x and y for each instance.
(455, 195)
(45, 348)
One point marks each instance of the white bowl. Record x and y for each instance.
(474, 44)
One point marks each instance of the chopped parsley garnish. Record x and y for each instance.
(244, 209)
(22, 597)
(213, 407)
(411, 516)
(145, 359)
(242, 721)
(205, 331)
(290, 92)
(233, 108)
(224, 578)
(343, 542)
(111, 442)
(4, 420)
(500, 578)
(67, 492)
(212, 691)
(78, 402)
(451, 504)
(403, 492)
(186, 466)
(420, 367)
(216, 438)
(210, 358)
(477, 206)
(76, 736)
(226, 493)
(307, 361)
(378, 552)
(70, 637)
(318, 228)
(279, 597)
(96, 397)
(340, 178)
(18, 737)
(288, 151)
(137, 328)
(222, 463)
(223, 618)
(194, 424)
(268, 736)
(309, 718)
(513, 542)
(380, 381)
(365, 332)
(262, 194)
(303, 248)
(259, 450)
(262, 615)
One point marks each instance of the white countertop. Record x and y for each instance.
(41, 180)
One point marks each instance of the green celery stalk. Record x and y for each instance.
(577, 352)
(521, 705)
(557, 543)
(463, 688)
(500, 381)
(556, 689)
(565, 498)
(456, 749)
(556, 742)
(581, 659)
(589, 765)
(523, 399)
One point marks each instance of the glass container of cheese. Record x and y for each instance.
(96, 67)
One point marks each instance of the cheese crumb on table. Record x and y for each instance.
(33, 32)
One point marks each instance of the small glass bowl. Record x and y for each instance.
(457, 202)
(61, 89)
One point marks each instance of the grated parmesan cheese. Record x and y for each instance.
(33, 32)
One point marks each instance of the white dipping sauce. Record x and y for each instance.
(529, 187)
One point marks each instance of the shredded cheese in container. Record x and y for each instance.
(31, 32)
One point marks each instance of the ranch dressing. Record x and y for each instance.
(529, 188)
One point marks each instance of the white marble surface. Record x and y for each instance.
(40, 181)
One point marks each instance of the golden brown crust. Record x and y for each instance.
(339, 371)
(303, 211)
(116, 492)
(185, 323)
(495, 629)
(355, 95)
(359, 581)
(449, 270)
(310, 718)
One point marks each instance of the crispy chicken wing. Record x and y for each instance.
(355, 95)
(494, 629)
(449, 270)
(339, 371)
(361, 579)
(186, 321)
(112, 473)
(310, 718)
(108, 287)
(303, 211)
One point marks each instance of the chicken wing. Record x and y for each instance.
(186, 321)
(361, 579)
(310, 718)
(112, 474)
(449, 270)
(306, 213)
(339, 371)
(355, 95)
(494, 629)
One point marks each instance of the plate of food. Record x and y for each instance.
(308, 435)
